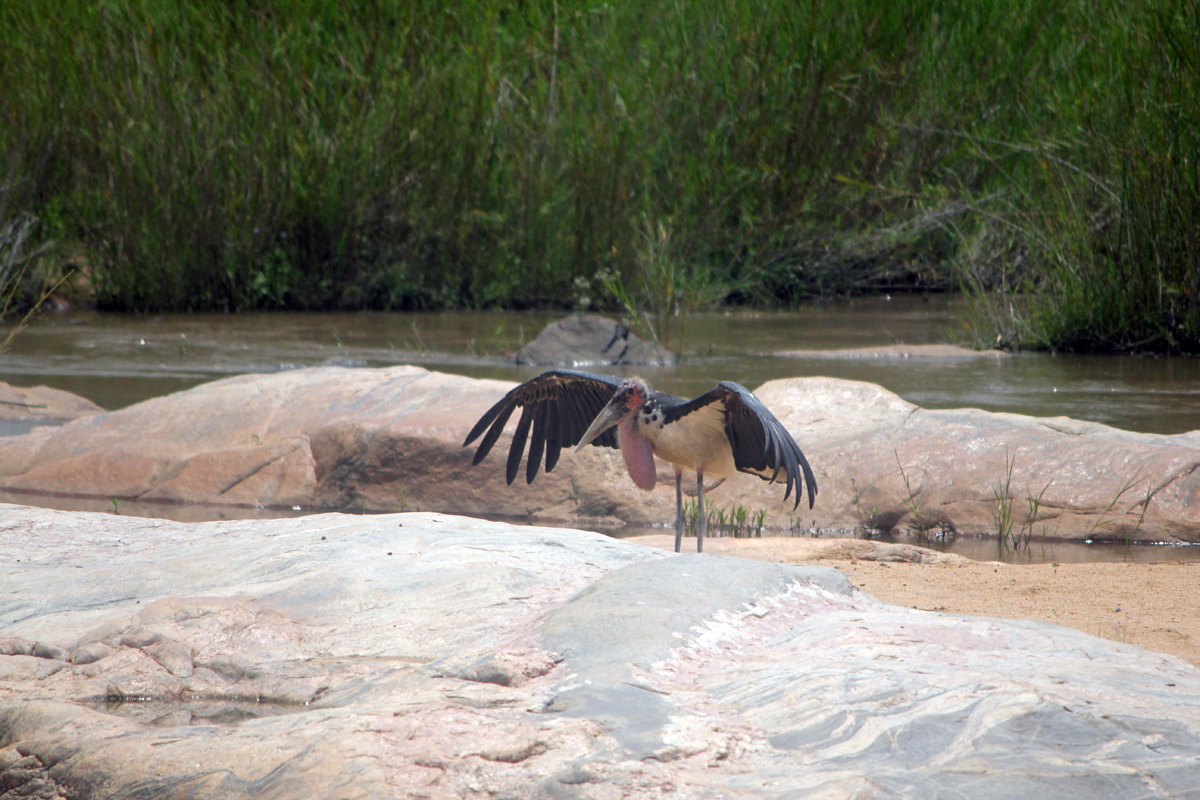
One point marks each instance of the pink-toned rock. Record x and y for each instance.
(329, 437)
(883, 462)
(345, 656)
(43, 403)
(391, 439)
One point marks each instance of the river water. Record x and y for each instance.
(116, 360)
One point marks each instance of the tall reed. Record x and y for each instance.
(388, 154)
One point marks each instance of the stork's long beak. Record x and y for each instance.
(610, 416)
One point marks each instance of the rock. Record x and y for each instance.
(29, 775)
(43, 404)
(923, 352)
(327, 437)
(885, 463)
(175, 658)
(19, 667)
(590, 340)
(14, 646)
(44, 650)
(534, 662)
(90, 653)
(391, 440)
(24, 409)
(795, 549)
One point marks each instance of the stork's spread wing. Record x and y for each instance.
(559, 405)
(761, 445)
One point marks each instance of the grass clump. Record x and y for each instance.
(1100, 239)
(738, 521)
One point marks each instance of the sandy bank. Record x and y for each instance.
(1147, 605)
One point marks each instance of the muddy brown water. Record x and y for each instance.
(117, 360)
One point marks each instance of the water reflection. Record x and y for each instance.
(117, 360)
(172, 712)
(152, 509)
(987, 548)
(1054, 551)
(976, 548)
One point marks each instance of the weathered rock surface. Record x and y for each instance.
(420, 655)
(590, 339)
(884, 462)
(329, 437)
(391, 439)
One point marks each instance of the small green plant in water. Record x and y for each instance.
(402, 497)
(737, 522)
(919, 522)
(1010, 538)
(412, 323)
(116, 504)
(1003, 513)
(1127, 534)
(1131, 535)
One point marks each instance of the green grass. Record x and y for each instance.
(737, 521)
(654, 156)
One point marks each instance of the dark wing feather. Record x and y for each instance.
(759, 441)
(552, 437)
(537, 442)
(498, 421)
(518, 443)
(558, 406)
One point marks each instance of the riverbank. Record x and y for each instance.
(1146, 605)
(647, 157)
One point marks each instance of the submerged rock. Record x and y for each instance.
(591, 340)
(425, 655)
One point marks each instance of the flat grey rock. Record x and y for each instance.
(411, 655)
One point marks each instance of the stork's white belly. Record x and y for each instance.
(695, 441)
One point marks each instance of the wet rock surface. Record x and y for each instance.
(590, 340)
(391, 440)
(422, 655)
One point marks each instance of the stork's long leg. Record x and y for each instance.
(678, 509)
(702, 522)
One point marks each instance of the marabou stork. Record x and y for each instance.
(721, 432)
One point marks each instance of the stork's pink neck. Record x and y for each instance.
(636, 450)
